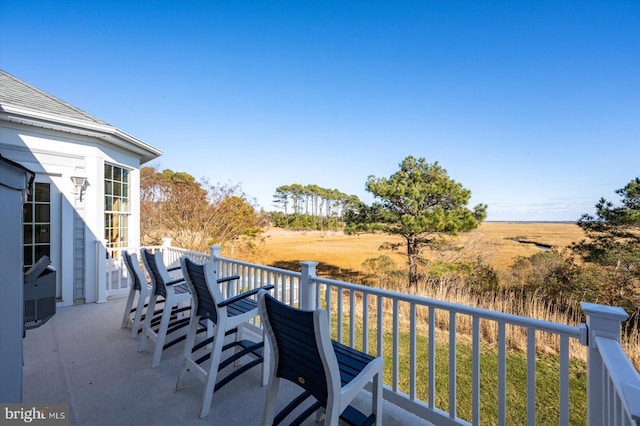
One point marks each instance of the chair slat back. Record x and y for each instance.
(299, 359)
(133, 265)
(196, 276)
(157, 271)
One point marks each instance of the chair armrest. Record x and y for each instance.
(174, 268)
(229, 278)
(176, 281)
(243, 295)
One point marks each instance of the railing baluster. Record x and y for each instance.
(318, 293)
(564, 380)
(531, 376)
(280, 284)
(380, 319)
(502, 374)
(286, 284)
(412, 352)
(394, 355)
(275, 280)
(291, 294)
(352, 318)
(432, 357)
(452, 365)
(475, 371)
(365, 322)
(329, 297)
(339, 314)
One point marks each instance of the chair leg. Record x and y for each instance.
(162, 331)
(237, 349)
(146, 330)
(188, 346)
(216, 354)
(126, 318)
(210, 330)
(271, 400)
(266, 359)
(137, 317)
(377, 398)
(332, 413)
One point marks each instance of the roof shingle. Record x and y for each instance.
(16, 92)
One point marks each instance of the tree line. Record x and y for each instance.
(311, 207)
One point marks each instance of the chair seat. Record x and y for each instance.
(241, 306)
(350, 361)
(181, 288)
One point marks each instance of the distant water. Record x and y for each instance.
(543, 247)
(551, 222)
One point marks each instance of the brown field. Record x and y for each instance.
(492, 241)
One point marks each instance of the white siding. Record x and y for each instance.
(56, 157)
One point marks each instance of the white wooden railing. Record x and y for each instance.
(613, 383)
(376, 320)
(117, 276)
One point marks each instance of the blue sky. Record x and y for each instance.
(532, 105)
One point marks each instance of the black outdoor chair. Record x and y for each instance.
(140, 292)
(226, 316)
(329, 373)
(177, 304)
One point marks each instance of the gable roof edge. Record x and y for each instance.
(102, 131)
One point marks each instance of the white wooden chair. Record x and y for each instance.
(177, 303)
(333, 374)
(225, 316)
(139, 292)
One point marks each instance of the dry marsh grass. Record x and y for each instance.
(493, 241)
(342, 254)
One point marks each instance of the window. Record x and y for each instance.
(36, 215)
(116, 206)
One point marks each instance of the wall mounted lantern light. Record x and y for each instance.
(80, 183)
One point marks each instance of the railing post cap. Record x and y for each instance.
(309, 263)
(604, 311)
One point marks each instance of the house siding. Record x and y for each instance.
(55, 157)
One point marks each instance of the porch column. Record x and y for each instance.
(602, 321)
(215, 252)
(166, 244)
(215, 258)
(307, 287)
